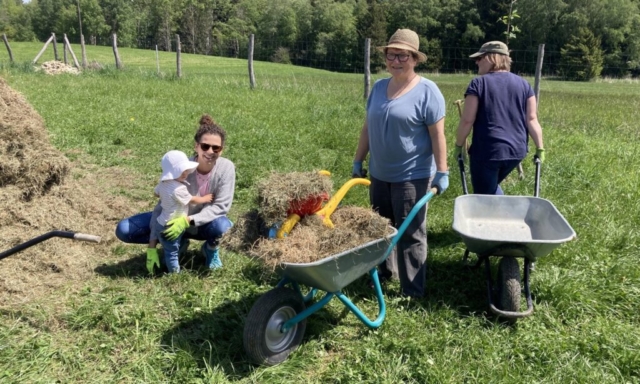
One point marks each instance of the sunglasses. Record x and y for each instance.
(206, 147)
(402, 57)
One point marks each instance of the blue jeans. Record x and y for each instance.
(136, 230)
(394, 201)
(171, 249)
(486, 175)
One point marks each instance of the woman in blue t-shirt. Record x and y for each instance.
(403, 134)
(500, 107)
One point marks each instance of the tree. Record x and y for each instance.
(15, 20)
(581, 57)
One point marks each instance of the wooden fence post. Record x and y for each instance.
(178, 58)
(536, 87)
(64, 49)
(367, 67)
(6, 44)
(55, 48)
(115, 51)
(84, 52)
(252, 75)
(46, 44)
(73, 55)
(157, 60)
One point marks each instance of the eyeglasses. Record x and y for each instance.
(206, 147)
(479, 58)
(402, 57)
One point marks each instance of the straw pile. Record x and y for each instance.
(309, 240)
(57, 67)
(41, 191)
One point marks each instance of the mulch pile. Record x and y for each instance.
(310, 240)
(57, 67)
(41, 191)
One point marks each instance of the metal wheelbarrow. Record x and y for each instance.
(276, 323)
(509, 227)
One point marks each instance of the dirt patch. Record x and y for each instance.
(41, 191)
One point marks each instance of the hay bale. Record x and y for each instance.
(27, 158)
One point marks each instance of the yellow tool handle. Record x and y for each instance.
(287, 226)
(331, 206)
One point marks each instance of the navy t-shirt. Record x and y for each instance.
(500, 129)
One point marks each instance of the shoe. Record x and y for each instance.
(212, 257)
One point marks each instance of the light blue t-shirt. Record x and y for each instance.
(399, 142)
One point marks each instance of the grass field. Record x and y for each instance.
(125, 327)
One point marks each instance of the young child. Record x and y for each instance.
(174, 200)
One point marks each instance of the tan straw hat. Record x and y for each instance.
(405, 39)
(492, 47)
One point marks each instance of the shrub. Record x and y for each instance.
(281, 55)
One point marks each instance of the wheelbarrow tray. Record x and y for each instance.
(335, 272)
(516, 226)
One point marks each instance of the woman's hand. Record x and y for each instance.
(441, 181)
(357, 170)
(176, 227)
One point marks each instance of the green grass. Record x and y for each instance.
(123, 327)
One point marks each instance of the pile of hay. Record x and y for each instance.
(41, 191)
(27, 159)
(310, 240)
(57, 67)
(278, 190)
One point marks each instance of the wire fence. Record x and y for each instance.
(349, 57)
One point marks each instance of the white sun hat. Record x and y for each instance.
(174, 163)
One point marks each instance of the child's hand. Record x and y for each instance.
(207, 198)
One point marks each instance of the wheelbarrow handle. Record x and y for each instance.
(47, 236)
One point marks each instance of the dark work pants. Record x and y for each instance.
(394, 201)
(486, 175)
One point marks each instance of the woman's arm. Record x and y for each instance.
(439, 145)
(363, 143)
(467, 119)
(535, 130)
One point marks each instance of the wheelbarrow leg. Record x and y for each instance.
(382, 308)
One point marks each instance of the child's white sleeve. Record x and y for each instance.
(182, 195)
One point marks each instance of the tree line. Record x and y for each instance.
(592, 37)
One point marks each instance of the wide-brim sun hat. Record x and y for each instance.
(405, 39)
(492, 47)
(174, 163)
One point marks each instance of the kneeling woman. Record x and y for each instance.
(208, 222)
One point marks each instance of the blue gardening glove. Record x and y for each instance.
(176, 227)
(458, 152)
(540, 154)
(357, 170)
(441, 181)
(153, 261)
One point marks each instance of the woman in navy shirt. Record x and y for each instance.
(501, 109)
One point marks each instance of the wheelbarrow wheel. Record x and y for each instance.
(263, 339)
(508, 292)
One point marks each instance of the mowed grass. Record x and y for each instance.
(125, 327)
